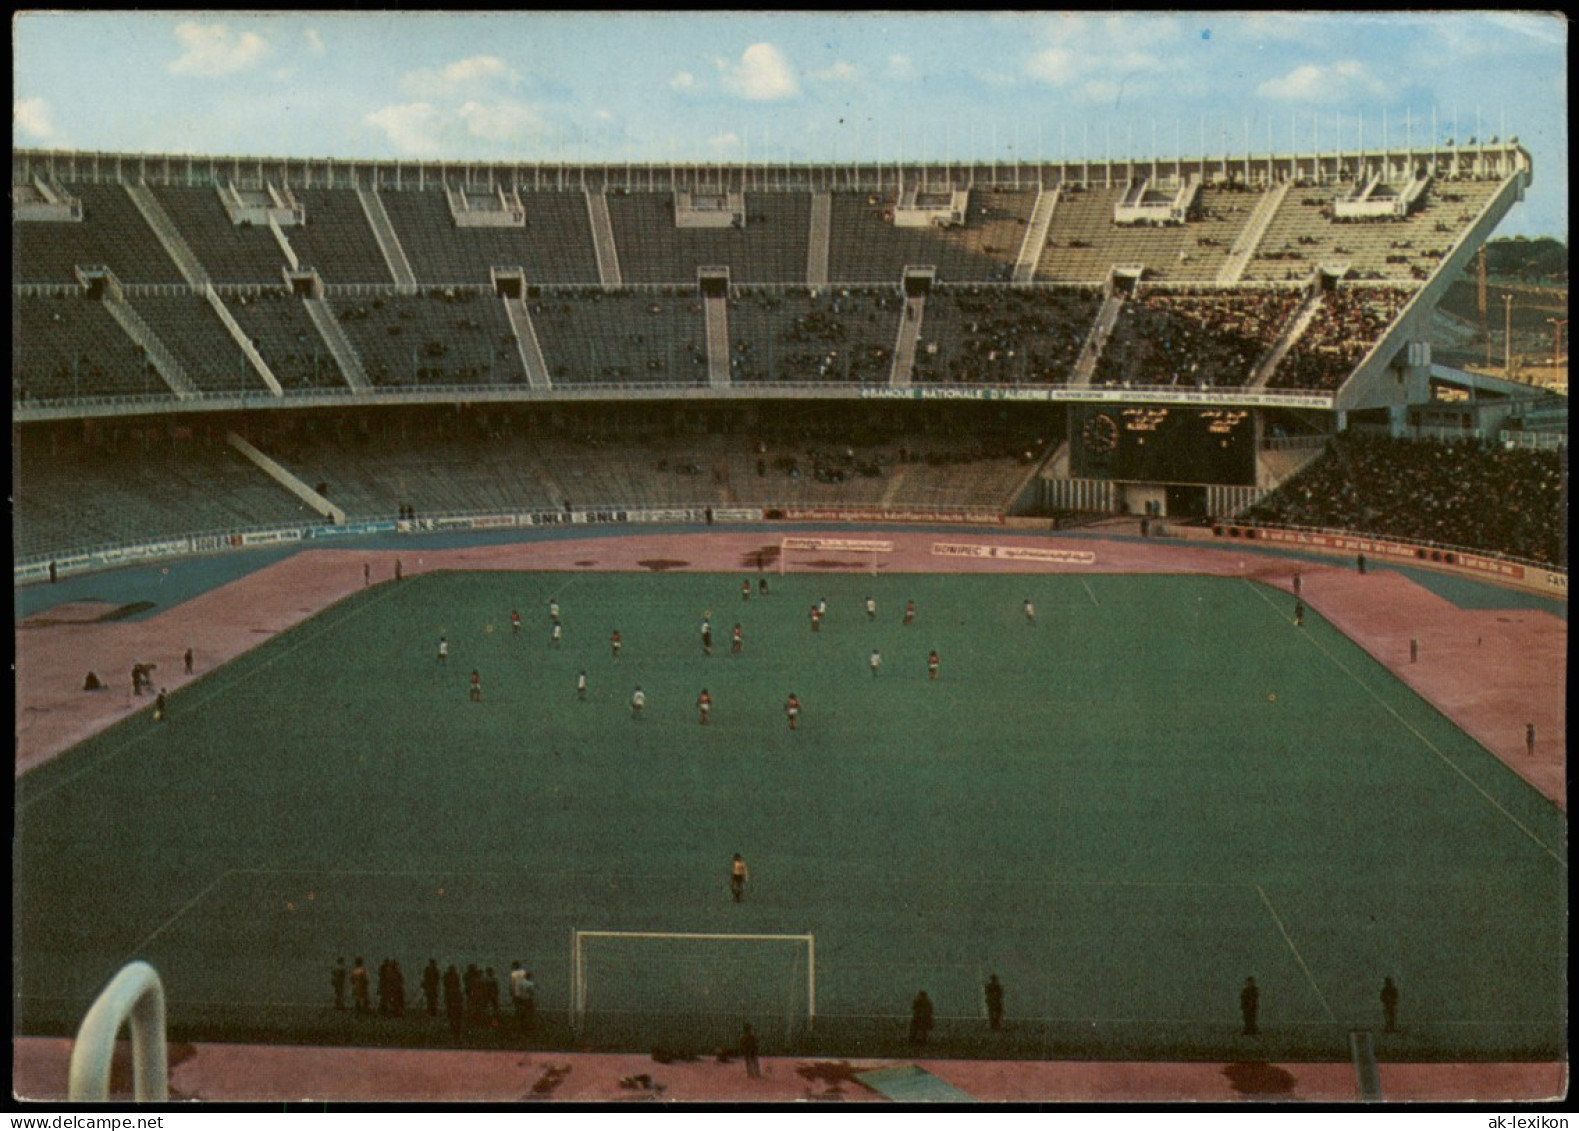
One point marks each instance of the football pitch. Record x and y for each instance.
(1158, 789)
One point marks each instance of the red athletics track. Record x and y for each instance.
(1490, 671)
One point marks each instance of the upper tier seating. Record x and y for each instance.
(337, 239)
(112, 233)
(771, 248)
(554, 247)
(978, 335)
(864, 247)
(231, 254)
(1083, 243)
(1303, 234)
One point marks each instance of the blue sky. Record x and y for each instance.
(811, 86)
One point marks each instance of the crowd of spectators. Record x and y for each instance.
(994, 336)
(1343, 330)
(596, 336)
(815, 335)
(1460, 493)
(1198, 337)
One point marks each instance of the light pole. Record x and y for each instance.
(1507, 337)
(1557, 339)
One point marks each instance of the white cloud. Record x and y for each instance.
(721, 142)
(469, 74)
(1101, 90)
(839, 72)
(314, 41)
(213, 49)
(1055, 65)
(682, 80)
(413, 127)
(901, 67)
(501, 121)
(762, 75)
(31, 116)
(603, 115)
(1311, 82)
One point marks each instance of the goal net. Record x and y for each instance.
(645, 986)
(833, 555)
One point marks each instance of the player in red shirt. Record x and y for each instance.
(816, 619)
(738, 641)
(476, 687)
(704, 704)
(615, 642)
(933, 663)
(792, 709)
(515, 622)
(910, 612)
(745, 590)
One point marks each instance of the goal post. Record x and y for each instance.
(654, 982)
(866, 555)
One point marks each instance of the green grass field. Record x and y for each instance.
(1160, 788)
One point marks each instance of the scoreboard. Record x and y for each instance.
(1162, 444)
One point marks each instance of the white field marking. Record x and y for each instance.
(184, 908)
(1297, 956)
(1388, 707)
(1090, 594)
(215, 690)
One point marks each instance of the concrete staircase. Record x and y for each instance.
(239, 336)
(345, 355)
(170, 239)
(821, 231)
(907, 341)
(1101, 330)
(526, 342)
(603, 240)
(388, 242)
(164, 362)
(1291, 334)
(1244, 249)
(281, 475)
(1035, 236)
(717, 310)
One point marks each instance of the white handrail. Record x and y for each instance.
(137, 995)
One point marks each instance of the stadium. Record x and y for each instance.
(1249, 618)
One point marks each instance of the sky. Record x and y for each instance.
(824, 86)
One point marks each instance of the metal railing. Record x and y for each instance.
(134, 995)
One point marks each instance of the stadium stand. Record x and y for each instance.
(112, 233)
(555, 246)
(1304, 234)
(991, 335)
(1458, 494)
(139, 484)
(1197, 337)
(66, 345)
(336, 239)
(622, 337)
(1083, 242)
(771, 248)
(280, 330)
(842, 334)
(188, 326)
(247, 253)
(446, 336)
(866, 246)
(1345, 327)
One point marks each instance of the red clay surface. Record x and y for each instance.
(1491, 672)
(266, 1073)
